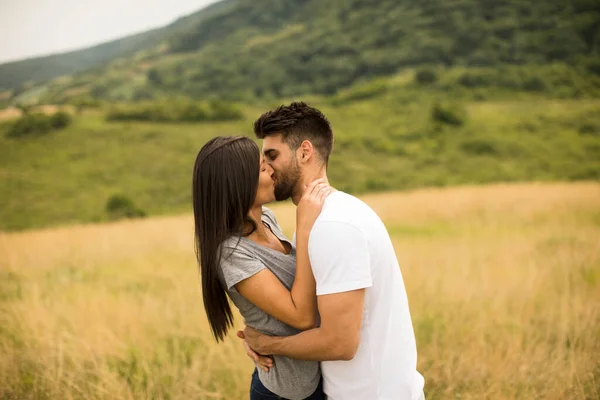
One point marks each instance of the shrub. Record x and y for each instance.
(60, 120)
(30, 125)
(426, 76)
(36, 124)
(473, 79)
(535, 84)
(589, 128)
(222, 111)
(154, 76)
(593, 67)
(120, 206)
(449, 114)
(194, 112)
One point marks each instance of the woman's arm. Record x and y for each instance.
(296, 307)
(337, 338)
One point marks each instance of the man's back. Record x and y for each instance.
(350, 249)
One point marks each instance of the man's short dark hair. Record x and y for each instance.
(297, 122)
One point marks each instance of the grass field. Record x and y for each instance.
(503, 283)
(388, 141)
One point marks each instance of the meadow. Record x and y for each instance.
(503, 282)
(386, 138)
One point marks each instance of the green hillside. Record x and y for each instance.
(15, 74)
(391, 133)
(271, 49)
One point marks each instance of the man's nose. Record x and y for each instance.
(267, 166)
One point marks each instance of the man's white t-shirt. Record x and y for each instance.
(350, 249)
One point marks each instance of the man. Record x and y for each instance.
(365, 339)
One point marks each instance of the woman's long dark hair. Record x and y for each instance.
(225, 182)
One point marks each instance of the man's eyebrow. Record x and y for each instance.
(269, 152)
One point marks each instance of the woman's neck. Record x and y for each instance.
(263, 234)
(255, 214)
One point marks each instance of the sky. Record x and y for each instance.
(41, 27)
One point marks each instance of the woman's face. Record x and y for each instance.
(266, 185)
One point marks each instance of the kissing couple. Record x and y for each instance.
(326, 313)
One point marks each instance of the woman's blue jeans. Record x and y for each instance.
(259, 392)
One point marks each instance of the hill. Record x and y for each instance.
(37, 70)
(503, 283)
(14, 75)
(250, 49)
(389, 134)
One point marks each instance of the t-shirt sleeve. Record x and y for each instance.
(339, 256)
(237, 265)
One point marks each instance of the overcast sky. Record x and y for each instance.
(40, 27)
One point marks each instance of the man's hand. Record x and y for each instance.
(264, 362)
(256, 340)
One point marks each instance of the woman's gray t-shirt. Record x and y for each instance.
(241, 258)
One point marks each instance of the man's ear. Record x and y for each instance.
(306, 151)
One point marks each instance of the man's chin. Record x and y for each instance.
(282, 196)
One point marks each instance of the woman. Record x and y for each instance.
(243, 253)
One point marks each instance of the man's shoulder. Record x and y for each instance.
(343, 208)
(343, 216)
(339, 197)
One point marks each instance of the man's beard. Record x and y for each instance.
(286, 181)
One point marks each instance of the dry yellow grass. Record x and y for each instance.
(503, 283)
(14, 113)
(10, 113)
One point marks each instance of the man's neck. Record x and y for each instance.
(305, 181)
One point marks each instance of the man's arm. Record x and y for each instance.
(337, 338)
